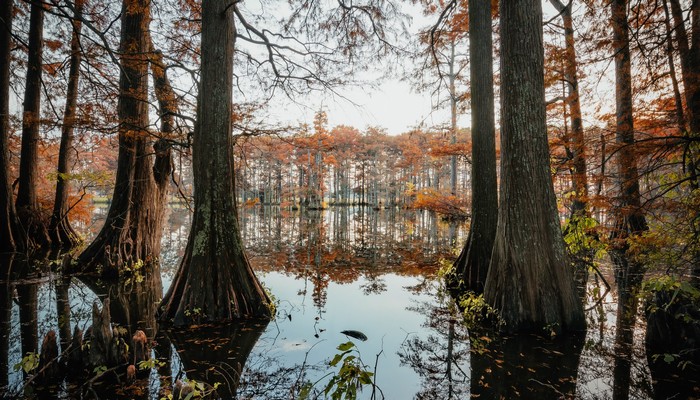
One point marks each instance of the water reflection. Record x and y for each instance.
(5, 318)
(333, 270)
(216, 355)
(525, 366)
(134, 301)
(441, 359)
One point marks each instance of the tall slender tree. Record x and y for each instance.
(62, 234)
(215, 277)
(629, 217)
(530, 281)
(8, 217)
(33, 224)
(577, 141)
(473, 263)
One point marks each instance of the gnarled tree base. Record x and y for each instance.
(215, 282)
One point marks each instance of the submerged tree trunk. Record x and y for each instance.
(133, 227)
(473, 263)
(9, 232)
(30, 216)
(530, 281)
(215, 281)
(62, 234)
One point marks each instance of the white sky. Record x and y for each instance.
(393, 105)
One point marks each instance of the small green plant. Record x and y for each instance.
(29, 363)
(475, 310)
(150, 364)
(580, 237)
(196, 314)
(199, 390)
(681, 292)
(351, 376)
(99, 370)
(272, 305)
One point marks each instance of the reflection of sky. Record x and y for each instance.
(383, 317)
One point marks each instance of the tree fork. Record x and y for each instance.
(133, 227)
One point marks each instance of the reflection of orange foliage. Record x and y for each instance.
(252, 202)
(447, 205)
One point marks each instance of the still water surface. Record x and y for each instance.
(331, 271)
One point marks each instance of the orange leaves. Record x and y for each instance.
(448, 206)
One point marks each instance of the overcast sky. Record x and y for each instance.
(394, 105)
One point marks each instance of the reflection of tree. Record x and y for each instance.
(217, 354)
(440, 359)
(5, 317)
(525, 366)
(133, 302)
(513, 367)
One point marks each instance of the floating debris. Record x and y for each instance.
(355, 334)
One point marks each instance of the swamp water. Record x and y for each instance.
(343, 269)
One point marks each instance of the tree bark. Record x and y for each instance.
(133, 227)
(215, 281)
(689, 50)
(580, 179)
(30, 216)
(473, 262)
(62, 234)
(629, 217)
(677, 97)
(11, 239)
(530, 281)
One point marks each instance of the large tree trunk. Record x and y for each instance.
(28, 211)
(690, 71)
(62, 234)
(629, 218)
(133, 227)
(473, 263)
(215, 281)
(530, 280)
(11, 239)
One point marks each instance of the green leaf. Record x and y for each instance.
(336, 359)
(346, 346)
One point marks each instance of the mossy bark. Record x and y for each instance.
(215, 281)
